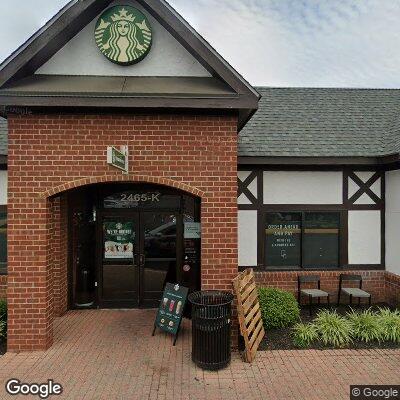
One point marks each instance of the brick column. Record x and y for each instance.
(30, 290)
(59, 241)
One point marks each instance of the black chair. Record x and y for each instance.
(311, 293)
(353, 292)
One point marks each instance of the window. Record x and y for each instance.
(321, 240)
(283, 239)
(3, 239)
(302, 239)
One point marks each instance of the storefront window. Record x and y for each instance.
(283, 240)
(302, 239)
(321, 240)
(3, 240)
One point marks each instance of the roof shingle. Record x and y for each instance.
(316, 122)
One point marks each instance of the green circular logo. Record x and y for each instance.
(123, 34)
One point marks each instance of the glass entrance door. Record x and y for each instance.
(159, 259)
(139, 255)
(119, 275)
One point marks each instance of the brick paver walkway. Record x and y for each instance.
(111, 355)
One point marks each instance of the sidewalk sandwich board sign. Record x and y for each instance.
(170, 312)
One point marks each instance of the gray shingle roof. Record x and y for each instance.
(3, 136)
(315, 123)
(323, 123)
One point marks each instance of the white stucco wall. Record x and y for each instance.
(3, 187)
(247, 221)
(303, 187)
(393, 221)
(81, 56)
(364, 237)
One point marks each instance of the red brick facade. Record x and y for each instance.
(392, 288)
(384, 286)
(49, 154)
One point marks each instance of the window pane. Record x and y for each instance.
(321, 240)
(3, 241)
(283, 240)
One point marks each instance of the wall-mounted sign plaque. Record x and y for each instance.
(170, 312)
(123, 34)
(192, 230)
(118, 158)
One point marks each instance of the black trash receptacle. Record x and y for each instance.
(211, 328)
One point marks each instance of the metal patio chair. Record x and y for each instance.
(353, 292)
(311, 293)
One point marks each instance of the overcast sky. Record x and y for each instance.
(344, 43)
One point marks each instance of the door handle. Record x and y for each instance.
(134, 260)
(142, 259)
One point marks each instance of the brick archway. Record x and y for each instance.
(196, 154)
(128, 178)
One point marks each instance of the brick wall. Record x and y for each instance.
(52, 153)
(392, 289)
(374, 282)
(3, 286)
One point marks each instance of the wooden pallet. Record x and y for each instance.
(249, 313)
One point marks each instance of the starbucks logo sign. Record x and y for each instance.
(123, 34)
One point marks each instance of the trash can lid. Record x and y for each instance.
(211, 298)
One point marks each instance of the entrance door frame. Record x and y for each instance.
(137, 263)
(98, 192)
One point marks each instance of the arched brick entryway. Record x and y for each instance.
(51, 154)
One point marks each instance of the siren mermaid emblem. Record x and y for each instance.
(123, 34)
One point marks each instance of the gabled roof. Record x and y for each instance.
(318, 122)
(21, 65)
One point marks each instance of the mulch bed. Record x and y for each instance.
(280, 339)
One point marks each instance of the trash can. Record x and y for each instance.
(211, 329)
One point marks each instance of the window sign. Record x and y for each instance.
(283, 240)
(118, 240)
(192, 230)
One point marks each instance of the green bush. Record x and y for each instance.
(304, 335)
(333, 329)
(279, 309)
(3, 330)
(365, 326)
(390, 324)
(3, 310)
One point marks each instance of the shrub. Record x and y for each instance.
(3, 310)
(365, 326)
(390, 324)
(3, 330)
(279, 309)
(304, 335)
(333, 329)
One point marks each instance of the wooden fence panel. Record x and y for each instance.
(249, 313)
